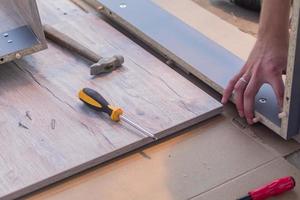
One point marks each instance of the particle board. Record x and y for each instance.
(256, 178)
(204, 157)
(290, 122)
(47, 134)
(188, 48)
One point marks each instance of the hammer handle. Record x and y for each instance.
(69, 43)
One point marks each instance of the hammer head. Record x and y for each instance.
(106, 65)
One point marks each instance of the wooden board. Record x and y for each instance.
(47, 134)
(188, 48)
(290, 122)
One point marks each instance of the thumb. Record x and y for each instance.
(278, 87)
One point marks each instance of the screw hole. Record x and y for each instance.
(123, 5)
(262, 100)
(1, 59)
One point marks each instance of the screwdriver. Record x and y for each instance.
(272, 189)
(97, 102)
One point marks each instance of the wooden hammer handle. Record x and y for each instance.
(69, 43)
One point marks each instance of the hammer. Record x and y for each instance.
(101, 65)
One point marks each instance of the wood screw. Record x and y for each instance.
(18, 56)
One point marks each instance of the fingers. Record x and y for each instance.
(249, 98)
(278, 87)
(230, 87)
(239, 93)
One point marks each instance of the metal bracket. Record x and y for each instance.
(16, 40)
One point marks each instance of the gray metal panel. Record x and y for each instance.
(209, 59)
(16, 40)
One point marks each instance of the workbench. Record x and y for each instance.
(220, 158)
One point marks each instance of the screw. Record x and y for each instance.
(18, 56)
(100, 8)
(9, 41)
(262, 100)
(123, 5)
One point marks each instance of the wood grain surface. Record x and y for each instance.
(47, 134)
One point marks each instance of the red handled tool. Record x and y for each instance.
(277, 187)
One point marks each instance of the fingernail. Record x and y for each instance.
(256, 120)
(282, 115)
(223, 101)
(241, 114)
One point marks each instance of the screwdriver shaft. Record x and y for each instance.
(145, 132)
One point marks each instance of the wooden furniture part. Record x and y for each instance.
(291, 109)
(190, 50)
(21, 32)
(211, 149)
(47, 134)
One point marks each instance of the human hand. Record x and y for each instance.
(265, 64)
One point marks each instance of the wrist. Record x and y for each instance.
(268, 39)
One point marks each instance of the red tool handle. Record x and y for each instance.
(275, 188)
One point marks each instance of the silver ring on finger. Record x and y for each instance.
(243, 80)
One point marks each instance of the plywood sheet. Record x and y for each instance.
(46, 132)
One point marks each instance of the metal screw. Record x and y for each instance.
(100, 8)
(123, 5)
(5, 34)
(18, 56)
(262, 100)
(9, 41)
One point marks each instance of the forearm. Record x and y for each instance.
(274, 21)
